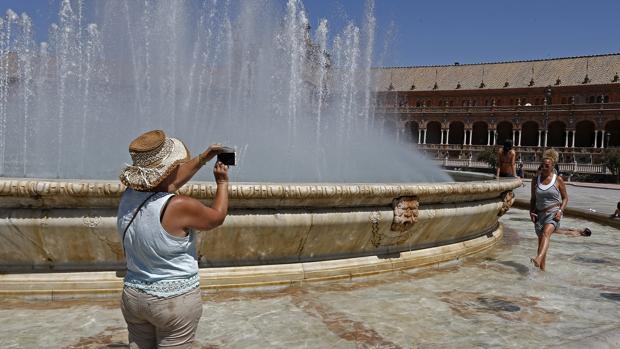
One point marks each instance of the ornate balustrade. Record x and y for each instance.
(499, 109)
(529, 166)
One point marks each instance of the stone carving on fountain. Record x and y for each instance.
(30, 193)
(405, 213)
(508, 198)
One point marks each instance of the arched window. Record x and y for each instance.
(557, 134)
(480, 133)
(584, 135)
(433, 132)
(457, 132)
(529, 133)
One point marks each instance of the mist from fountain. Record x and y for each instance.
(251, 74)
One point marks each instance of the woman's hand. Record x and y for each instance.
(220, 172)
(558, 216)
(533, 217)
(211, 152)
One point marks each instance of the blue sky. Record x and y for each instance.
(444, 32)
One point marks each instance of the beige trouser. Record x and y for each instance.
(155, 322)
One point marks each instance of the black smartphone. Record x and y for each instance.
(227, 157)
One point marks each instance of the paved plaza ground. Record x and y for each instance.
(495, 300)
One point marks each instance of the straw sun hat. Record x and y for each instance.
(154, 157)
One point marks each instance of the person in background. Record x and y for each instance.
(506, 161)
(520, 169)
(547, 203)
(161, 300)
(616, 214)
(574, 232)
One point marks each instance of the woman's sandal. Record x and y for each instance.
(586, 232)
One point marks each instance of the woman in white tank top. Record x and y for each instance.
(547, 203)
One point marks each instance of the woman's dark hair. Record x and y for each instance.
(618, 206)
(508, 144)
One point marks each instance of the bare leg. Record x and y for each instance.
(543, 247)
(569, 232)
(573, 232)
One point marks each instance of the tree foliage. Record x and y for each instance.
(489, 156)
(611, 159)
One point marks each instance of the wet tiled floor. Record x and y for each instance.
(497, 300)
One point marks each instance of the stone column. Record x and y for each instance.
(565, 139)
(574, 133)
(596, 139)
(447, 136)
(495, 137)
(424, 136)
(419, 135)
(465, 137)
(539, 137)
(602, 139)
(519, 139)
(441, 140)
(489, 137)
(546, 137)
(471, 135)
(513, 136)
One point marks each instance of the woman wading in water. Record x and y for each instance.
(161, 300)
(547, 203)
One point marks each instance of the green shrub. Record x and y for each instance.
(489, 156)
(611, 159)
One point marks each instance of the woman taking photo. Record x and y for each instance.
(161, 300)
(547, 203)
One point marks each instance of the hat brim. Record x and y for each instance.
(146, 178)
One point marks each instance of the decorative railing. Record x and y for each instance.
(529, 166)
(520, 149)
(499, 109)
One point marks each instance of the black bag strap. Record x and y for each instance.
(134, 217)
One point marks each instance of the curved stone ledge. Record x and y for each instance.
(41, 193)
(56, 286)
(70, 226)
(86, 239)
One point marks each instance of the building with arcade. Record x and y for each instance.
(457, 111)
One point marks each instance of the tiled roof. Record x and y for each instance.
(571, 71)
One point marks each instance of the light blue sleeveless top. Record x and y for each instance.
(158, 263)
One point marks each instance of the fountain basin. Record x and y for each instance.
(274, 234)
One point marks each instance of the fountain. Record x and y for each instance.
(320, 192)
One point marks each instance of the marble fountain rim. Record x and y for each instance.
(33, 192)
